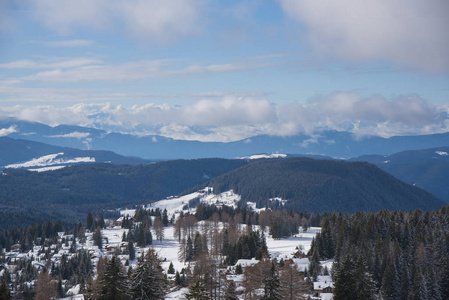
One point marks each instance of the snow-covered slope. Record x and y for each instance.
(259, 156)
(50, 162)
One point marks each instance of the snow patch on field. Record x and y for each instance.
(50, 162)
(285, 248)
(45, 169)
(259, 156)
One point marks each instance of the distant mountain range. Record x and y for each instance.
(328, 143)
(428, 168)
(32, 155)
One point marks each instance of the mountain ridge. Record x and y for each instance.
(327, 143)
(323, 185)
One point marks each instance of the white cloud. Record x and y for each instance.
(75, 134)
(91, 70)
(59, 64)
(153, 19)
(69, 43)
(8, 131)
(232, 118)
(411, 33)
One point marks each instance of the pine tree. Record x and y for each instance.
(197, 291)
(178, 279)
(171, 269)
(90, 222)
(272, 285)
(365, 285)
(345, 283)
(445, 279)
(419, 290)
(165, 217)
(59, 289)
(114, 281)
(147, 280)
(189, 249)
(391, 284)
(131, 250)
(5, 293)
(98, 238)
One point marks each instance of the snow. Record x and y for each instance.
(74, 297)
(74, 291)
(168, 250)
(45, 169)
(228, 198)
(247, 262)
(260, 156)
(301, 263)
(114, 235)
(47, 161)
(179, 294)
(442, 153)
(285, 248)
(174, 204)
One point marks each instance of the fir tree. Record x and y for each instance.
(171, 269)
(272, 285)
(189, 249)
(197, 291)
(5, 293)
(178, 279)
(419, 290)
(131, 250)
(147, 280)
(114, 281)
(98, 238)
(345, 283)
(390, 282)
(59, 289)
(365, 285)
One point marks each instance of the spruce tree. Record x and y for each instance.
(171, 269)
(147, 280)
(365, 285)
(131, 250)
(114, 282)
(419, 290)
(391, 284)
(197, 291)
(189, 249)
(5, 293)
(345, 283)
(272, 285)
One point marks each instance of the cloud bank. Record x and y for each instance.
(232, 118)
(411, 33)
(150, 19)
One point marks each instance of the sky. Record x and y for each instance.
(227, 70)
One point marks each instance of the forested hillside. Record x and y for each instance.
(400, 255)
(427, 168)
(19, 150)
(68, 194)
(323, 185)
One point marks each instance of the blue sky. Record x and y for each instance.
(226, 70)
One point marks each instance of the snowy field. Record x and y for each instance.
(50, 162)
(168, 248)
